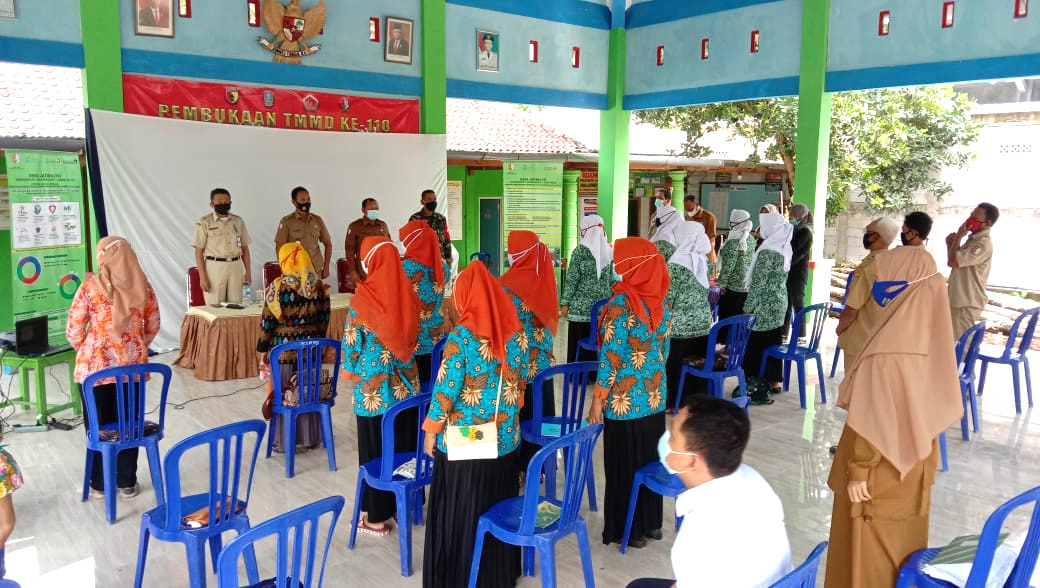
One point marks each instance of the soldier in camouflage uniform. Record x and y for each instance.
(437, 222)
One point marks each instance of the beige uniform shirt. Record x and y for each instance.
(220, 237)
(854, 339)
(310, 233)
(968, 280)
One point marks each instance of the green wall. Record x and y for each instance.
(6, 315)
(479, 183)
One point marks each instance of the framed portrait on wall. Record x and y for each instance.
(7, 10)
(398, 40)
(154, 17)
(487, 51)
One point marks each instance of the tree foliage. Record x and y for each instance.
(887, 143)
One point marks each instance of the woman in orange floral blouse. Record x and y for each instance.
(113, 318)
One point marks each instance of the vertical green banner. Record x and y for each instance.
(533, 201)
(48, 257)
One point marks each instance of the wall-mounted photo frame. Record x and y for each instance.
(487, 51)
(398, 48)
(7, 10)
(154, 17)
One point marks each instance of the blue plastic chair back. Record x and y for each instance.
(226, 446)
(714, 293)
(804, 576)
(968, 346)
(131, 400)
(423, 462)
(578, 448)
(989, 540)
(743, 402)
(845, 296)
(435, 360)
(1023, 336)
(308, 370)
(819, 314)
(300, 526)
(484, 257)
(738, 331)
(576, 379)
(592, 341)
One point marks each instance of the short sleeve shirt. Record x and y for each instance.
(220, 237)
(968, 280)
(311, 233)
(853, 339)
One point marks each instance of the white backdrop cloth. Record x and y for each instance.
(157, 174)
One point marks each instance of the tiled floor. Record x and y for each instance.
(62, 542)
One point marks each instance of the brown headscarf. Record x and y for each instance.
(120, 279)
(385, 301)
(903, 391)
(531, 276)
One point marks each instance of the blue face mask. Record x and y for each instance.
(794, 222)
(885, 292)
(617, 277)
(663, 449)
(372, 214)
(658, 203)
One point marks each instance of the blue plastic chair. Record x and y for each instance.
(737, 330)
(576, 379)
(1012, 355)
(912, 574)
(659, 481)
(591, 343)
(485, 258)
(804, 576)
(225, 446)
(801, 354)
(131, 430)
(714, 293)
(838, 308)
(308, 376)
(300, 526)
(435, 365)
(967, 350)
(379, 475)
(512, 520)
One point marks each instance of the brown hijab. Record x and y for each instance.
(903, 389)
(120, 279)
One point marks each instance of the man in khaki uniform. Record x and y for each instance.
(368, 225)
(308, 229)
(970, 262)
(221, 244)
(859, 319)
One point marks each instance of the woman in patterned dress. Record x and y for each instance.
(379, 339)
(735, 258)
(428, 273)
(297, 307)
(629, 394)
(590, 275)
(467, 391)
(113, 318)
(666, 223)
(767, 296)
(688, 298)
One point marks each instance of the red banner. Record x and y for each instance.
(242, 104)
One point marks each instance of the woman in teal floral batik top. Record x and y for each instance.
(630, 389)
(767, 295)
(688, 298)
(735, 258)
(467, 392)
(428, 273)
(378, 343)
(590, 276)
(667, 220)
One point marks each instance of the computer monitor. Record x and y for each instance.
(31, 336)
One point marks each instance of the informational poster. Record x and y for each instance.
(455, 209)
(533, 200)
(5, 205)
(47, 243)
(588, 192)
(589, 206)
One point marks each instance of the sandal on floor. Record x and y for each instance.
(363, 527)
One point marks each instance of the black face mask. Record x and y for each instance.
(431, 206)
(303, 206)
(867, 241)
(904, 239)
(657, 222)
(222, 209)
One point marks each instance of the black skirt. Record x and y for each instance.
(679, 350)
(628, 446)
(377, 504)
(422, 364)
(756, 347)
(461, 491)
(731, 304)
(578, 330)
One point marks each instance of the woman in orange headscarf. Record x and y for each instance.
(478, 382)
(297, 307)
(629, 396)
(379, 338)
(901, 392)
(113, 318)
(531, 284)
(428, 273)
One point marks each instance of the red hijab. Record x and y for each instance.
(485, 309)
(384, 301)
(531, 276)
(422, 246)
(644, 277)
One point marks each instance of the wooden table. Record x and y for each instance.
(220, 343)
(39, 365)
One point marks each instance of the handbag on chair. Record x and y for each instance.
(467, 442)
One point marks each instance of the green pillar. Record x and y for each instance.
(613, 137)
(570, 211)
(433, 117)
(678, 178)
(814, 134)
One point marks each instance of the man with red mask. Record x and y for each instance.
(969, 262)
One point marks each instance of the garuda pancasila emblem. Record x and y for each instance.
(292, 28)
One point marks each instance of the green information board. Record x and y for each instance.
(533, 194)
(48, 257)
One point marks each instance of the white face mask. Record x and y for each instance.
(367, 258)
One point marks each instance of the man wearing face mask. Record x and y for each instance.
(368, 225)
(308, 230)
(970, 261)
(695, 213)
(729, 510)
(859, 319)
(437, 222)
(661, 198)
(221, 244)
(916, 228)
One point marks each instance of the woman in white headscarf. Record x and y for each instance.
(663, 235)
(735, 259)
(766, 208)
(767, 296)
(590, 277)
(688, 296)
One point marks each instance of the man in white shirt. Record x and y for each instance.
(732, 533)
